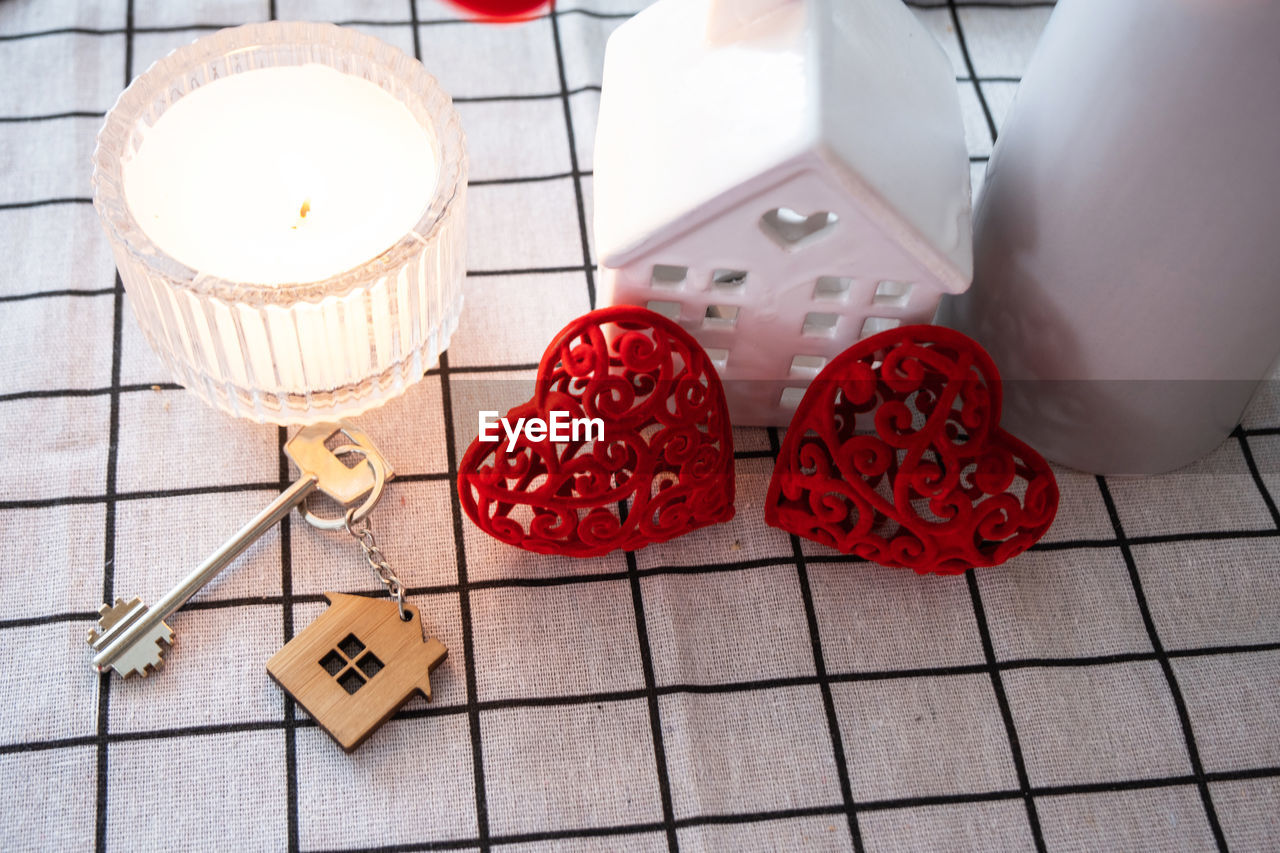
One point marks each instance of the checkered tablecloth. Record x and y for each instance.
(1117, 687)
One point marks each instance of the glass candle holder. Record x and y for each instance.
(278, 349)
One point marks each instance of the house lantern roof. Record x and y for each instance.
(707, 101)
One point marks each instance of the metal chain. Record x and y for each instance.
(362, 533)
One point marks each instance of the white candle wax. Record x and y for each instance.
(285, 174)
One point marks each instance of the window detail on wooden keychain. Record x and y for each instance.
(363, 658)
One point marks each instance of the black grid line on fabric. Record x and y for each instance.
(46, 393)
(552, 581)
(562, 701)
(460, 99)
(413, 24)
(535, 96)
(109, 535)
(823, 810)
(989, 78)
(1006, 713)
(515, 582)
(573, 160)
(51, 116)
(88, 392)
(45, 202)
(534, 179)
(973, 74)
(1160, 539)
(108, 573)
(45, 294)
(460, 556)
(651, 695)
(173, 386)
(464, 606)
(704, 568)
(290, 707)
(515, 271)
(1241, 437)
(530, 271)
(839, 754)
(463, 369)
(745, 817)
(1184, 718)
(516, 179)
(984, 4)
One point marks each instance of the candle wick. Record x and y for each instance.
(302, 213)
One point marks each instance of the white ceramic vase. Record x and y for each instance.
(1127, 242)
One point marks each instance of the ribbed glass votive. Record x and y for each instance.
(304, 351)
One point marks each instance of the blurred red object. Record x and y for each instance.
(501, 10)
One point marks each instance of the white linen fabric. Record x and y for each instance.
(1116, 687)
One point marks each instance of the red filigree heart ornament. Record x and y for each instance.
(896, 454)
(664, 466)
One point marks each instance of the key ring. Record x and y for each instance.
(378, 467)
(364, 535)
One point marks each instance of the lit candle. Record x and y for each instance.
(286, 206)
(281, 175)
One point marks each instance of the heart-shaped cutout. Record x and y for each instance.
(896, 454)
(792, 230)
(664, 466)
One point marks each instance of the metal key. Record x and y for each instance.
(131, 637)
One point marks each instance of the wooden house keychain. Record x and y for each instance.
(360, 660)
(363, 658)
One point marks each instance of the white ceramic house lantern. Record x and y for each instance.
(784, 178)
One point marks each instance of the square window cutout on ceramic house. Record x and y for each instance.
(791, 397)
(720, 317)
(719, 357)
(892, 294)
(729, 280)
(832, 288)
(876, 325)
(778, 185)
(665, 307)
(666, 276)
(819, 324)
(807, 366)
